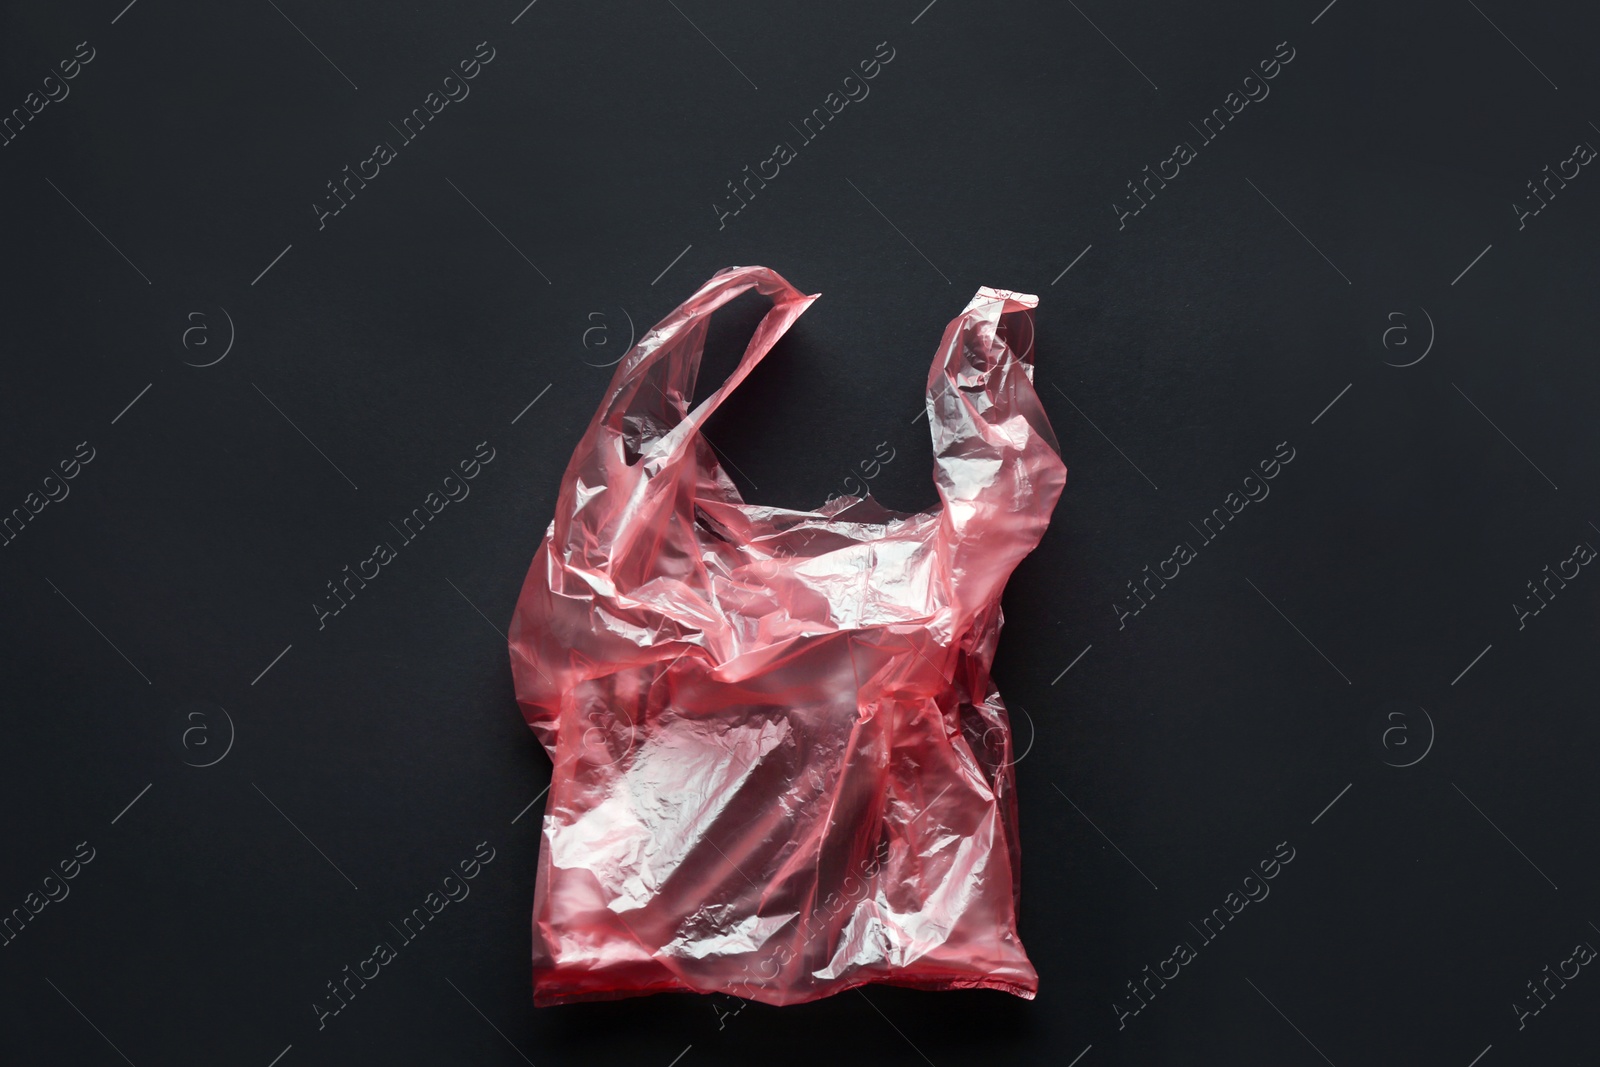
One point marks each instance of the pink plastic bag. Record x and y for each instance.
(781, 768)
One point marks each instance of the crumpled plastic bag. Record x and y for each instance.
(781, 769)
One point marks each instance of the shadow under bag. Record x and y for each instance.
(781, 769)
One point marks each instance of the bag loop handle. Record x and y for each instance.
(653, 384)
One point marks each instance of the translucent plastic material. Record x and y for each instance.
(781, 768)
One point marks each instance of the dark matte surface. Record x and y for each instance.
(1360, 616)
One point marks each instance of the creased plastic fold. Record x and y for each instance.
(781, 768)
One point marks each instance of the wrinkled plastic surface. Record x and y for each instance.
(781, 769)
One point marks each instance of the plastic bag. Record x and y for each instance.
(781, 769)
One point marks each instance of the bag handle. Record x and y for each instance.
(653, 384)
(997, 464)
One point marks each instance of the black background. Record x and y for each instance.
(1254, 691)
